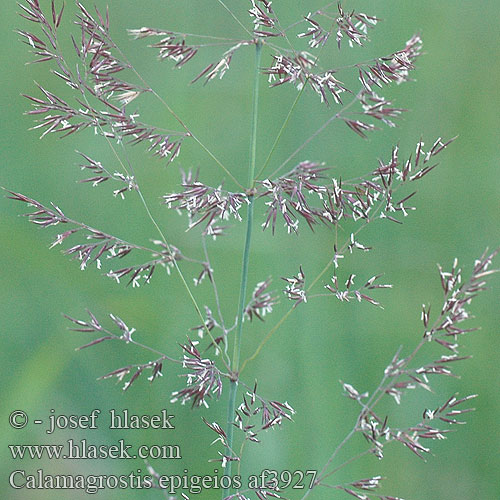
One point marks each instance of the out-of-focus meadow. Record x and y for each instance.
(324, 341)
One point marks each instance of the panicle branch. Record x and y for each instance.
(262, 301)
(203, 379)
(206, 205)
(400, 376)
(100, 174)
(99, 245)
(94, 326)
(96, 79)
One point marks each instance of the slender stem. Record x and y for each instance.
(246, 252)
(243, 287)
(233, 389)
(244, 267)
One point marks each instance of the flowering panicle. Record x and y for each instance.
(214, 426)
(96, 52)
(354, 244)
(94, 326)
(373, 107)
(269, 490)
(135, 274)
(399, 376)
(353, 25)
(98, 82)
(295, 288)
(207, 327)
(136, 370)
(262, 301)
(202, 381)
(61, 117)
(347, 294)
(298, 70)
(376, 74)
(165, 257)
(174, 46)
(100, 244)
(100, 174)
(218, 69)
(445, 330)
(319, 36)
(379, 108)
(265, 23)
(32, 11)
(378, 433)
(392, 68)
(368, 484)
(271, 414)
(42, 216)
(301, 68)
(458, 297)
(353, 393)
(288, 196)
(205, 205)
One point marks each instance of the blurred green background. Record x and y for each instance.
(455, 93)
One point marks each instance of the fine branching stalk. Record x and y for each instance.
(306, 196)
(233, 388)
